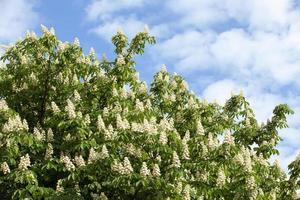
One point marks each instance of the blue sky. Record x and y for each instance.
(219, 46)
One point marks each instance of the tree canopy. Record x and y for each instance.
(75, 126)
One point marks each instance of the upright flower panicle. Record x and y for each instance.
(79, 161)
(59, 187)
(144, 170)
(175, 160)
(49, 151)
(100, 123)
(5, 168)
(15, 124)
(200, 129)
(24, 162)
(156, 171)
(127, 166)
(70, 109)
(221, 179)
(54, 107)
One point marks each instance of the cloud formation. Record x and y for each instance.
(16, 17)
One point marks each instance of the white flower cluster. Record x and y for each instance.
(76, 96)
(186, 152)
(54, 107)
(228, 139)
(5, 168)
(132, 150)
(59, 187)
(122, 124)
(100, 123)
(49, 151)
(250, 183)
(3, 105)
(144, 170)
(79, 161)
(200, 129)
(212, 142)
(120, 60)
(104, 152)
(93, 156)
(175, 160)
(163, 139)
(50, 135)
(139, 106)
(67, 162)
(145, 127)
(24, 162)
(166, 124)
(122, 168)
(15, 124)
(221, 179)
(39, 135)
(186, 192)
(109, 133)
(70, 109)
(247, 159)
(156, 171)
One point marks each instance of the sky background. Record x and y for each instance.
(218, 46)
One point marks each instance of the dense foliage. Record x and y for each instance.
(73, 126)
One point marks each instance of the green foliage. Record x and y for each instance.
(75, 127)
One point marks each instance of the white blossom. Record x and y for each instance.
(70, 109)
(104, 152)
(175, 160)
(39, 135)
(200, 129)
(156, 171)
(163, 139)
(117, 166)
(59, 187)
(144, 170)
(100, 123)
(14, 124)
(76, 96)
(3, 105)
(120, 60)
(49, 151)
(50, 135)
(186, 152)
(79, 161)
(122, 124)
(76, 42)
(127, 166)
(221, 179)
(5, 168)
(178, 188)
(93, 156)
(67, 162)
(103, 196)
(186, 192)
(24, 162)
(250, 182)
(163, 68)
(139, 106)
(54, 107)
(228, 139)
(186, 137)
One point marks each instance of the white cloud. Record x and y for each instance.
(221, 90)
(16, 17)
(103, 9)
(130, 26)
